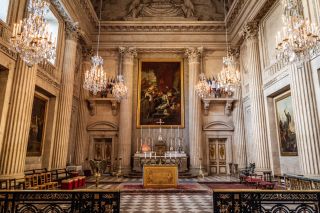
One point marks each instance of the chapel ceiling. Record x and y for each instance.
(183, 10)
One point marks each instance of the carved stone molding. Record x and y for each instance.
(8, 52)
(235, 12)
(228, 104)
(193, 54)
(234, 51)
(61, 10)
(102, 126)
(92, 105)
(87, 53)
(42, 74)
(250, 30)
(218, 126)
(163, 27)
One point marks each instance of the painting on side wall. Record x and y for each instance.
(286, 125)
(160, 93)
(37, 126)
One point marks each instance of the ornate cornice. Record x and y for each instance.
(235, 12)
(72, 31)
(41, 73)
(88, 9)
(62, 11)
(264, 10)
(163, 27)
(8, 52)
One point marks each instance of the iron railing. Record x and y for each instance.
(260, 201)
(79, 201)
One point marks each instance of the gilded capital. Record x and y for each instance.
(72, 31)
(234, 52)
(250, 30)
(87, 53)
(193, 54)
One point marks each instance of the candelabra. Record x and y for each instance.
(299, 38)
(31, 37)
(229, 77)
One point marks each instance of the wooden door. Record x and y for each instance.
(217, 156)
(103, 151)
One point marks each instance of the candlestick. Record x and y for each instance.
(145, 155)
(155, 156)
(137, 145)
(149, 132)
(150, 155)
(171, 132)
(151, 144)
(170, 155)
(178, 132)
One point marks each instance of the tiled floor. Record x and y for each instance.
(166, 203)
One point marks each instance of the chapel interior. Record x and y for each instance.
(147, 99)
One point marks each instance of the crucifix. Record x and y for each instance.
(160, 122)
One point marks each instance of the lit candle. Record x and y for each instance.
(178, 132)
(151, 144)
(155, 156)
(145, 155)
(137, 144)
(150, 155)
(170, 155)
(149, 132)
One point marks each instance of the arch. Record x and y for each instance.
(218, 126)
(102, 126)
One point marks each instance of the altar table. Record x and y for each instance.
(160, 176)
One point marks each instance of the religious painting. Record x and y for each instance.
(37, 126)
(160, 93)
(286, 125)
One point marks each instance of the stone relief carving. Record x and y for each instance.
(204, 10)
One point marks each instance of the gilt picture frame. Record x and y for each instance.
(285, 125)
(37, 126)
(160, 93)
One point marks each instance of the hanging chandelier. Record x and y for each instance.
(299, 38)
(31, 37)
(229, 77)
(120, 90)
(202, 87)
(95, 78)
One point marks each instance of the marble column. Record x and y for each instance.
(82, 139)
(195, 125)
(60, 148)
(239, 139)
(306, 118)
(16, 134)
(126, 107)
(259, 131)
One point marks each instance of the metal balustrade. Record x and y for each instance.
(260, 201)
(57, 201)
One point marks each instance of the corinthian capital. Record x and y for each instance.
(128, 52)
(72, 31)
(193, 54)
(250, 30)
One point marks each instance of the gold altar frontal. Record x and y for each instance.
(160, 176)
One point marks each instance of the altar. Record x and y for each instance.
(160, 176)
(169, 158)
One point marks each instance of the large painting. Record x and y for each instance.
(286, 125)
(160, 93)
(37, 126)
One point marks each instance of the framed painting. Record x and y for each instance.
(160, 93)
(286, 125)
(37, 126)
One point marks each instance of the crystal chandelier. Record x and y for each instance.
(95, 78)
(202, 87)
(31, 37)
(229, 77)
(120, 90)
(299, 38)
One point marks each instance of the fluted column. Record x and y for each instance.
(193, 55)
(126, 107)
(16, 134)
(239, 139)
(259, 133)
(82, 140)
(306, 118)
(60, 148)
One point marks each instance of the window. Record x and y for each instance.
(4, 7)
(53, 25)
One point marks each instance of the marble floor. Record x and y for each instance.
(166, 203)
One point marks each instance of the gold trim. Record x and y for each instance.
(182, 91)
(275, 101)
